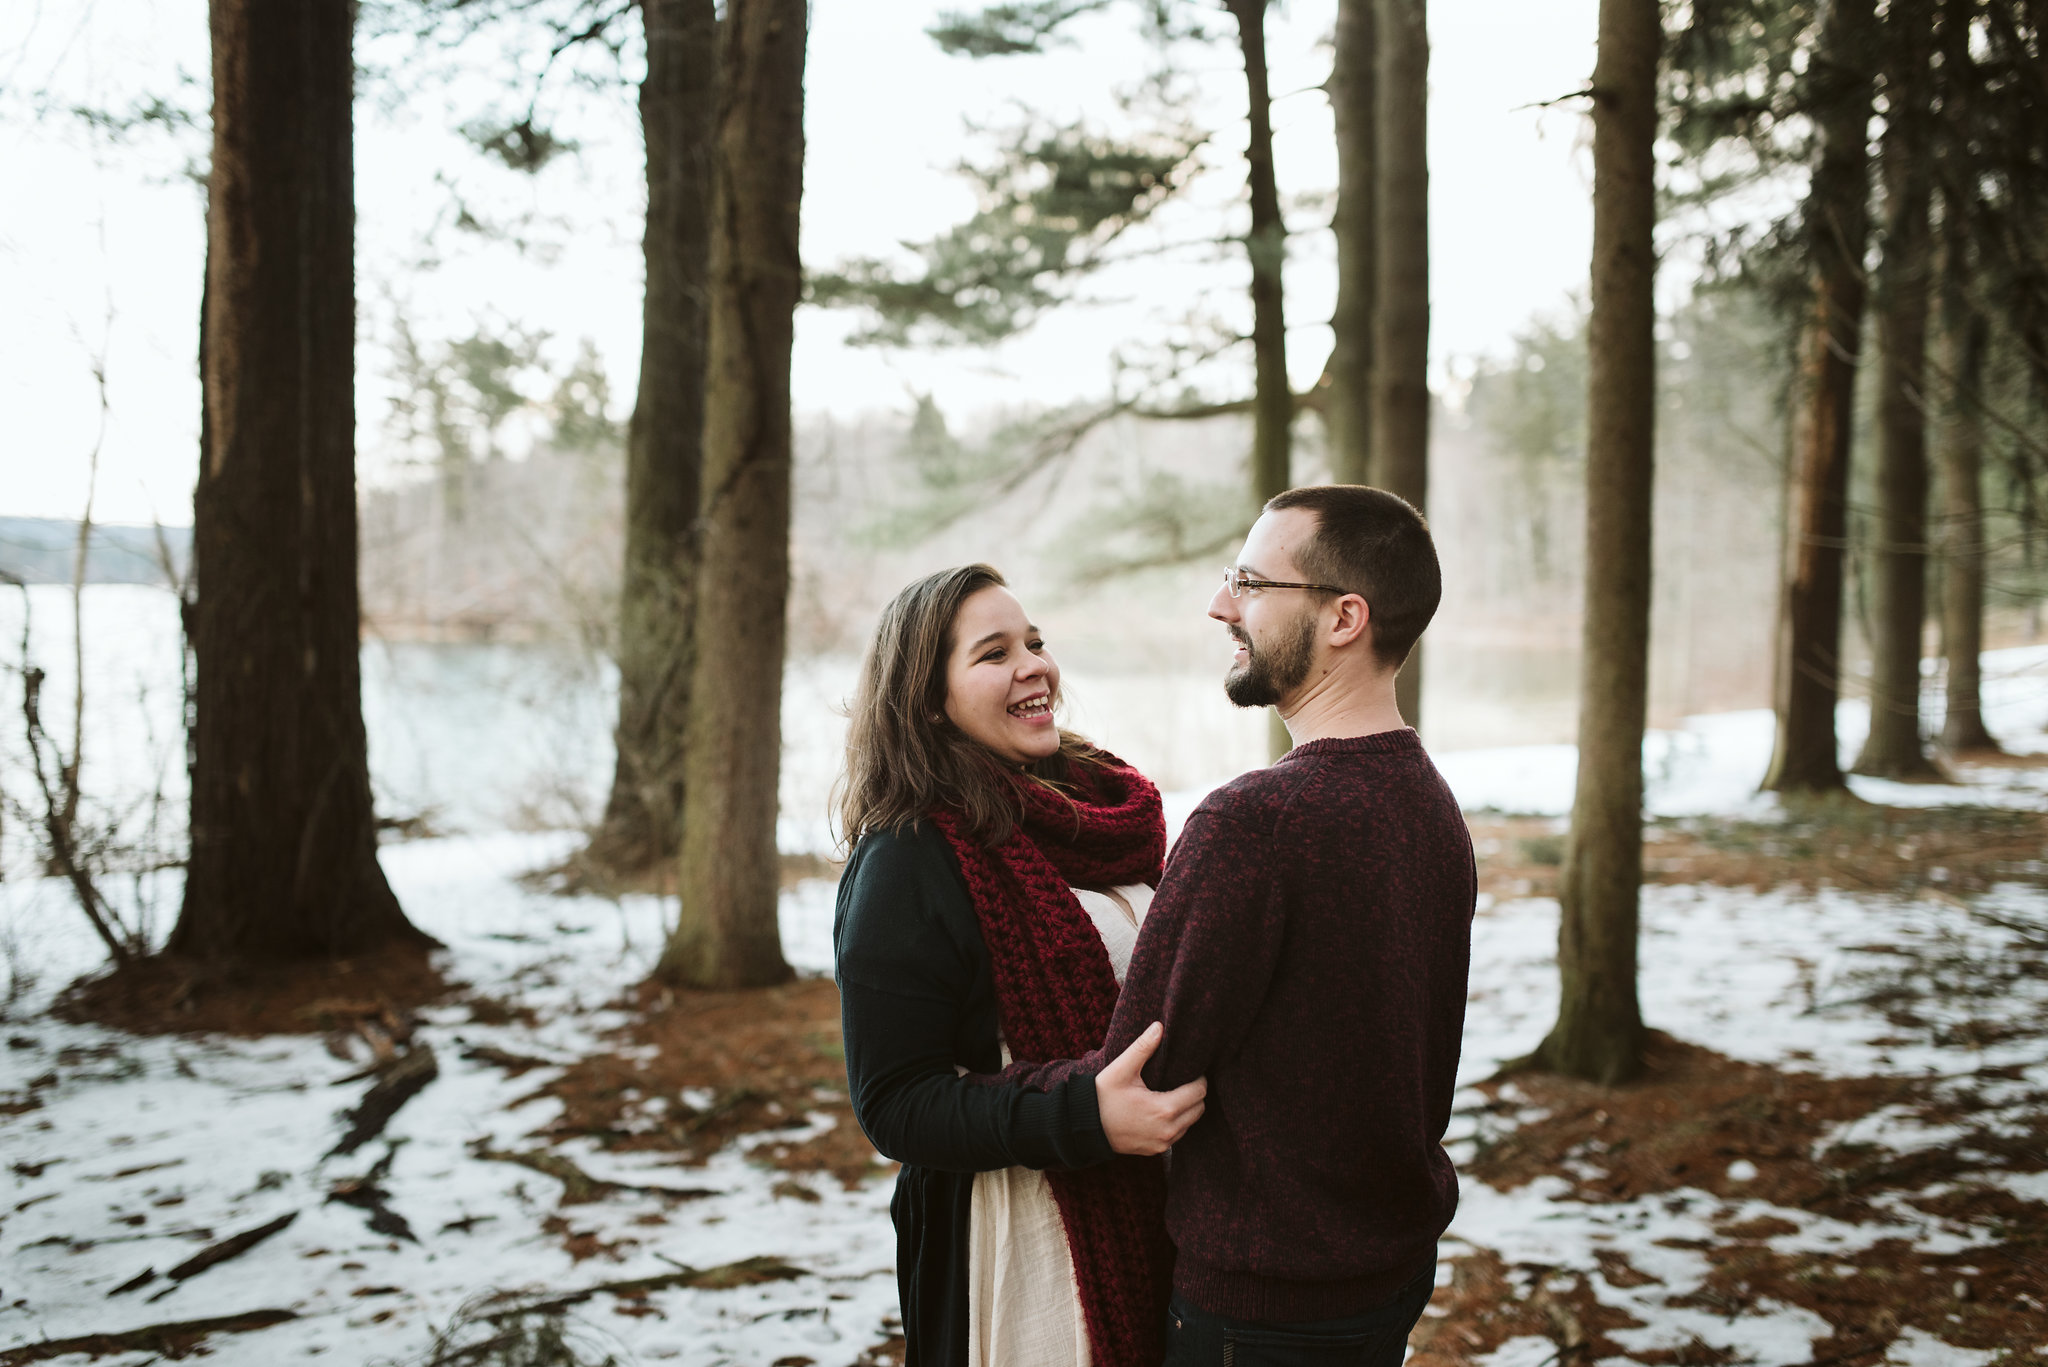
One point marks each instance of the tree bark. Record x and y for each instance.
(1893, 748)
(729, 875)
(1837, 227)
(1965, 344)
(1599, 1027)
(664, 442)
(1266, 245)
(1400, 351)
(1965, 340)
(1349, 373)
(1273, 411)
(284, 849)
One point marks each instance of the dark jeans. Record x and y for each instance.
(1377, 1338)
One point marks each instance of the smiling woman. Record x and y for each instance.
(988, 911)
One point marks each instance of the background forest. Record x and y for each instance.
(461, 447)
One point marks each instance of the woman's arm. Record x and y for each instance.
(916, 1108)
(909, 955)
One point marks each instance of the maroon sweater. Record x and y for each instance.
(1307, 952)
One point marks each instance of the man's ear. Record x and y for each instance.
(1354, 621)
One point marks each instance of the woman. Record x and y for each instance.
(998, 872)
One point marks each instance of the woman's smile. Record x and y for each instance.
(1035, 710)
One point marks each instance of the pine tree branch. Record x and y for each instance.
(1007, 30)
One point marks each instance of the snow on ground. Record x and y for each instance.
(1713, 764)
(1781, 978)
(140, 1143)
(148, 1139)
(143, 1141)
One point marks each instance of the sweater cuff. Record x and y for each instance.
(1061, 1128)
(1091, 1144)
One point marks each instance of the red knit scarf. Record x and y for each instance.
(1054, 995)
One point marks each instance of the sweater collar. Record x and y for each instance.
(1398, 742)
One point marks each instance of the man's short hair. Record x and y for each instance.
(1374, 544)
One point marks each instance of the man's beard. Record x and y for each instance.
(1268, 675)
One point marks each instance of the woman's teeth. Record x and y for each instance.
(1033, 707)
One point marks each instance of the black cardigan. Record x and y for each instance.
(917, 996)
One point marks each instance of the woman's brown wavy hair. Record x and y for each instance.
(904, 757)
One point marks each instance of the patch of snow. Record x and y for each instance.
(1916, 1348)
(156, 1146)
(1527, 1350)
(1713, 764)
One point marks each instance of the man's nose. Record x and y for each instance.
(1222, 606)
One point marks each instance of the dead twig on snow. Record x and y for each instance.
(397, 1084)
(578, 1186)
(724, 1277)
(170, 1340)
(234, 1247)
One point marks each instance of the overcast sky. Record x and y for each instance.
(101, 242)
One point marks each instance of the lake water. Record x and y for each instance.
(517, 736)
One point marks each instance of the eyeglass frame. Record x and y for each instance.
(1237, 581)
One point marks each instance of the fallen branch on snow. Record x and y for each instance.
(396, 1084)
(578, 1186)
(170, 1340)
(232, 1247)
(724, 1277)
(368, 1193)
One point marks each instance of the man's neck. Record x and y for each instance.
(1341, 705)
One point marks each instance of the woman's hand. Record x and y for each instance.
(1136, 1119)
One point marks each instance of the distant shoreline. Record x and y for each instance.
(43, 550)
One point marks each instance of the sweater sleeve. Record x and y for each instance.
(908, 952)
(1204, 959)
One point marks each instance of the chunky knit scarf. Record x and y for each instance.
(1054, 995)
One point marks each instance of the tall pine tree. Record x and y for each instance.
(729, 874)
(284, 847)
(1598, 1034)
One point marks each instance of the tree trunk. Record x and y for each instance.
(1266, 245)
(1400, 350)
(1965, 343)
(1599, 1027)
(1349, 373)
(1893, 748)
(1965, 339)
(1837, 226)
(664, 442)
(726, 933)
(284, 849)
(1273, 417)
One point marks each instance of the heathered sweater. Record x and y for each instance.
(1307, 952)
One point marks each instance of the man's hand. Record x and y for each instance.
(1136, 1119)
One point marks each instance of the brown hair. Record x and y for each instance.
(1374, 544)
(904, 757)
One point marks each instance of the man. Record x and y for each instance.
(1307, 953)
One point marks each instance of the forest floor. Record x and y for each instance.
(1838, 1155)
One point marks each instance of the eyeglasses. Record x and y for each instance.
(1237, 581)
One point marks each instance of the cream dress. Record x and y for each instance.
(1023, 1306)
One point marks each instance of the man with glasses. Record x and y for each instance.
(1307, 953)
